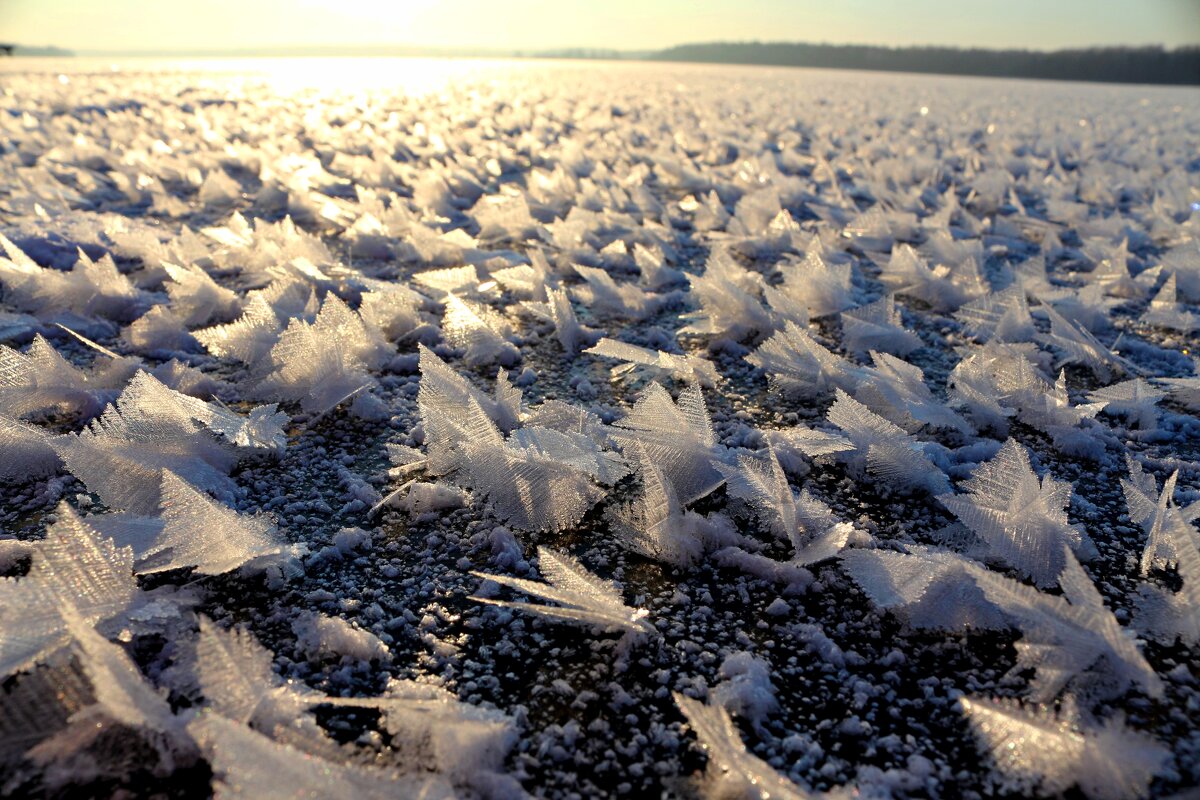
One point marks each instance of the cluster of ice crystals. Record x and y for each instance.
(736, 362)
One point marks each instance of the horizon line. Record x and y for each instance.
(483, 51)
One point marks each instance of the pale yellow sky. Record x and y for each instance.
(166, 25)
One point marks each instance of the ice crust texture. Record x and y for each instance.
(396, 428)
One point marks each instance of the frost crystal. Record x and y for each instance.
(690, 369)
(208, 536)
(158, 330)
(658, 527)
(1021, 518)
(1003, 316)
(806, 441)
(249, 338)
(39, 705)
(151, 428)
(1052, 412)
(1134, 398)
(989, 381)
(927, 588)
(261, 429)
(1164, 522)
(1064, 636)
(1167, 615)
(1170, 541)
(733, 770)
(878, 326)
(480, 331)
(814, 532)
(249, 765)
(580, 595)
(1078, 346)
(452, 411)
(1040, 749)
(538, 478)
(572, 335)
(123, 695)
(822, 288)
(196, 298)
(1165, 311)
(896, 391)
(943, 287)
(886, 451)
(439, 283)
(653, 266)
(797, 364)
(42, 381)
(89, 289)
(1185, 391)
(1112, 272)
(74, 568)
(323, 363)
(677, 437)
(391, 309)
(89, 713)
(25, 451)
(606, 297)
(233, 674)
(728, 297)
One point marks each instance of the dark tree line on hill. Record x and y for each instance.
(1110, 64)
(33, 50)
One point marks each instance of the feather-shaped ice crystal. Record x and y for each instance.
(249, 765)
(321, 364)
(924, 587)
(732, 769)
(878, 326)
(1066, 636)
(198, 532)
(1165, 311)
(196, 298)
(42, 381)
(581, 596)
(25, 451)
(797, 364)
(151, 428)
(728, 296)
(811, 527)
(677, 437)
(690, 369)
(1036, 748)
(1076, 345)
(1133, 398)
(74, 567)
(886, 451)
(1022, 518)
(479, 330)
(657, 526)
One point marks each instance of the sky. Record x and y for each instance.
(183, 26)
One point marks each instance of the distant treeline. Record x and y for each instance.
(581, 53)
(1110, 64)
(27, 50)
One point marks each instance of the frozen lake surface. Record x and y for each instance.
(417, 427)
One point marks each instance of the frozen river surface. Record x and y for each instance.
(405, 427)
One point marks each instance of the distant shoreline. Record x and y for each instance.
(1142, 65)
(1147, 65)
(40, 51)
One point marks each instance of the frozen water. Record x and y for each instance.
(624, 431)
